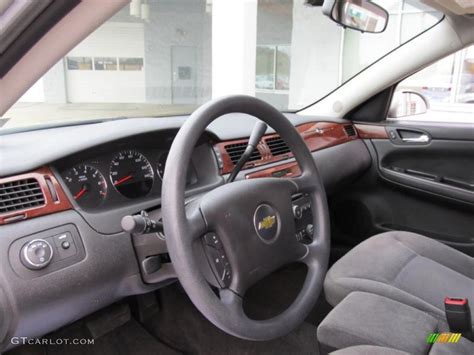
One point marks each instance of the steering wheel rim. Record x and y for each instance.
(183, 227)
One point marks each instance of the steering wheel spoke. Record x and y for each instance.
(304, 183)
(196, 225)
(232, 301)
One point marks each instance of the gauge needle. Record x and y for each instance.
(122, 180)
(80, 193)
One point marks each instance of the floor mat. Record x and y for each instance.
(181, 326)
(130, 338)
(276, 292)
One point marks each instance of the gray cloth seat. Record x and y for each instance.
(364, 323)
(405, 267)
(368, 350)
(438, 349)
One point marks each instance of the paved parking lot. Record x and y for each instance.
(26, 114)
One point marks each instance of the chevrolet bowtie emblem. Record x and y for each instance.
(267, 222)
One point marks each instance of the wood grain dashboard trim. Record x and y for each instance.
(55, 199)
(366, 131)
(317, 135)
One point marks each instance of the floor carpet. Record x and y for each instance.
(179, 328)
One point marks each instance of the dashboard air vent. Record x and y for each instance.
(236, 150)
(350, 130)
(277, 146)
(20, 195)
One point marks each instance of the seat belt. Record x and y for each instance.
(458, 315)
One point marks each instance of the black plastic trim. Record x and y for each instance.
(423, 180)
(374, 109)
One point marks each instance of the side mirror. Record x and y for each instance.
(360, 15)
(408, 103)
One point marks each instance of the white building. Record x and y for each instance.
(280, 50)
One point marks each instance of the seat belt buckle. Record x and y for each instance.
(458, 315)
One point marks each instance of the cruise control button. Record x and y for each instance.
(220, 265)
(297, 212)
(212, 240)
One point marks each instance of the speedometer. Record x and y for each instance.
(131, 174)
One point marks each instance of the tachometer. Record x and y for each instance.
(131, 174)
(87, 185)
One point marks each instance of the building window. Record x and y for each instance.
(448, 81)
(465, 79)
(79, 63)
(448, 86)
(265, 69)
(406, 21)
(105, 63)
(273, 68)
(282, 81)
(131, 64)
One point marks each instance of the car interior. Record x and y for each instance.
(236, 177)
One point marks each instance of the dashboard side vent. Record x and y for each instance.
(236, 150)
(20, 194)
(350, 130)
(277, 146)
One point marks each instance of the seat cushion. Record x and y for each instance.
(367, 319)
(405, 267)
(369, 350)
(438, 349)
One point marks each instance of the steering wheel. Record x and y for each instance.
(254, 222)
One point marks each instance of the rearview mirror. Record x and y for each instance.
(360, 15)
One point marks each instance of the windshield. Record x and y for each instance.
(167, 57)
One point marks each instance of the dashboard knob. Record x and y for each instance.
(297, 212)
(36, 254)
(310, 231)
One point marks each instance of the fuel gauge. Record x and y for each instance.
(87, 185)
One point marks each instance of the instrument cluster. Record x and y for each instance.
(124, 175)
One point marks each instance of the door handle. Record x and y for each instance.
(421, 139)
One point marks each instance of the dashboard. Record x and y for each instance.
(110, 180)
(76, 188)
(119, 177)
